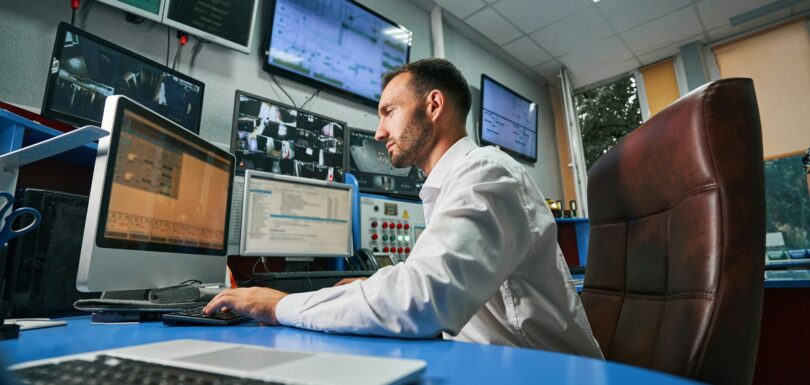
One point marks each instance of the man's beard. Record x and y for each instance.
(413, 140)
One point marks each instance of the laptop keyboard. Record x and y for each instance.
(195, 315)
(118, 371)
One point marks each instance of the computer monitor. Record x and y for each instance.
(508, 120)
(274, 137)
(159, 202)
(339, 45)
(148, 9)
(371, 166)
(286, 216)
(85, 69)
(229, 23)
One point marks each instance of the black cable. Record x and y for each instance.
(73, 17)
(195, 51)
(168, 44)
(283, 90)
(314, 94)
(177, 57)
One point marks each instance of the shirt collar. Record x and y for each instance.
(453, 154)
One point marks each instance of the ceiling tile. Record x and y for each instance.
(493, 26)
(717, 12)
(626, 14)
(549, 70)
(659, 54)
(461, 8)
(604, 53)
(663, 31)
(527, 51)
(726, 30)
(574, 32)
(530, 15)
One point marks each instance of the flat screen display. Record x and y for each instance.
(149, 9)
(226, 22)
(277, 138)
(336, 44)
(508, 120)
(371, 166)
(86, 69)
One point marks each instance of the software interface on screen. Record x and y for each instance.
(371, 166)
(86, 72)
(166, 189)
(338, 43)
(508, 120)
(229, 20)
(282, 140)
(291, 218)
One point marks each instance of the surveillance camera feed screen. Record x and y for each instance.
(283, 140)
(371, 166)
(338, 43)
(86, 71)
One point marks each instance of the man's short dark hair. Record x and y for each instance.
(436, 74)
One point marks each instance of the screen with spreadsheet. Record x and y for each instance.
(166, 190)
(289, 217)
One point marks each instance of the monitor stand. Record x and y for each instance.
(125, 316)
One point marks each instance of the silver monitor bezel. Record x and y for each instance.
(249, 174)
(114, 269)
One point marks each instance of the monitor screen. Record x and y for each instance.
(274, 137)
(159, 204)
(508, 120)
(295, 217)
(229, 23)
(336, 44)
(371, 166)
(149, 9)
(86, 69)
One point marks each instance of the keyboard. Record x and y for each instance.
(195, 316)
(113, 370)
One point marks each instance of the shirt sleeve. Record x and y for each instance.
(478, 234)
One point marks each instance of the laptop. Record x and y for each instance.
(219, 362)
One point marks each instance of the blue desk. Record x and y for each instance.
(448, 362)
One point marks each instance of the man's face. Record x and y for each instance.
(404, 125)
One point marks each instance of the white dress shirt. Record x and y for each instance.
(486, 268)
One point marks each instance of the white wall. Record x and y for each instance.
(27, 30)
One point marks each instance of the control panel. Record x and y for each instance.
(390, 225)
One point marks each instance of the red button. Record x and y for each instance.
(374, 236)
(399, 250)
(374, 225)
(407, 226)
(399, 226)
(385, 225)
(407, 249)
(385, 249)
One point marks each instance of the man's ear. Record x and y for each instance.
(435, 104)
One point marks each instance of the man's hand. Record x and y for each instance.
(346, 281)
(258, 303)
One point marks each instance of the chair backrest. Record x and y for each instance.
(677, 241)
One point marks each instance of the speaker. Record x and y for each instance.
(46, 259)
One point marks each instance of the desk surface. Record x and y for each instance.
(448, 362)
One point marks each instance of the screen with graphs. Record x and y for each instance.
(508, 120)
(336, 43)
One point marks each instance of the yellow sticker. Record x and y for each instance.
(405, 215)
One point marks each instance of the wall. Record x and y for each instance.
(27, 30)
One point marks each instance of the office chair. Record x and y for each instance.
(677, 241)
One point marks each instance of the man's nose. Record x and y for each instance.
(381, 134)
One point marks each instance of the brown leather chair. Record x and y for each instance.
(676, 256)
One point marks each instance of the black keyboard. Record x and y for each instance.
(113, 370)
(195, 316)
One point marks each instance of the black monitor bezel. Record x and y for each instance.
(394, 193)
(276, 70)
(235, 123)
(61, 31)
(125, 104)
(484, 142)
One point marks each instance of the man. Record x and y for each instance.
(486, 268)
